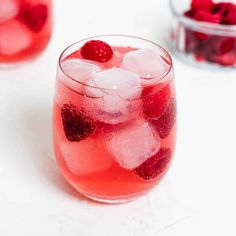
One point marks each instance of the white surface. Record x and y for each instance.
(198, 195)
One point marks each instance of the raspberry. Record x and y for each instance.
(155, 165)
(220, 45)
(202, 5)
(227, 59)
(77, 125)
(154, 103)
(222, 8)
(97, 50)
(34, 17)
(207, 17)
(230, 17)
(166, 121)
(189, 13)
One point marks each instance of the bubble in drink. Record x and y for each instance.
(8, 10)
(14, 37)
(118, 81)
(132, 145)
(146, 63)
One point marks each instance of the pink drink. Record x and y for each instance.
(25, 29)
(115, 122)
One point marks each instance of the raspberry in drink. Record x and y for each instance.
(114, 116)
(25, 29)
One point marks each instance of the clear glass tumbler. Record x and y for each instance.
(114, 119)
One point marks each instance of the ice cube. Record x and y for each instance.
(114, 99)
(92, 90)
(133, 144)
(86, 157)
(117, 81)
(146, 63)
(14, 38)
(79, 70)
(112, 109)
(8, 10)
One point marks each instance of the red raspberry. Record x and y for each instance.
(77, 125)
(166, 121)
(222, 8)
(189, 13)
(155, 165)
(155, 100)
(230, 17)
(97, 50)
(200, 36)
(202, 5)
(227, 59)
(34, 17)
(207, 17)
(221, 45)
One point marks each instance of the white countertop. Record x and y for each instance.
(197, 197)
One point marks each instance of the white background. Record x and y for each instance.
(198, 195)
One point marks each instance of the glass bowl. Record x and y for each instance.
(208, 44)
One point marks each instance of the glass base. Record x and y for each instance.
(114, 199)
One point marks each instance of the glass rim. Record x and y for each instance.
(169, 59)
(215, 28)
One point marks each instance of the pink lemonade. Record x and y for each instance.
(25, 29)
(115, 121)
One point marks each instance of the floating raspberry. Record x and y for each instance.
(155, 165)
(34, 17)
(155, 100)
(77, 125)
(166, 121)
(97, 50)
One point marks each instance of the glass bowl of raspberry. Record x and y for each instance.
(204, 31)
(114, 116)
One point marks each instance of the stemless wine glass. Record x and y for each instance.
(114, 119)
(25, 29)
